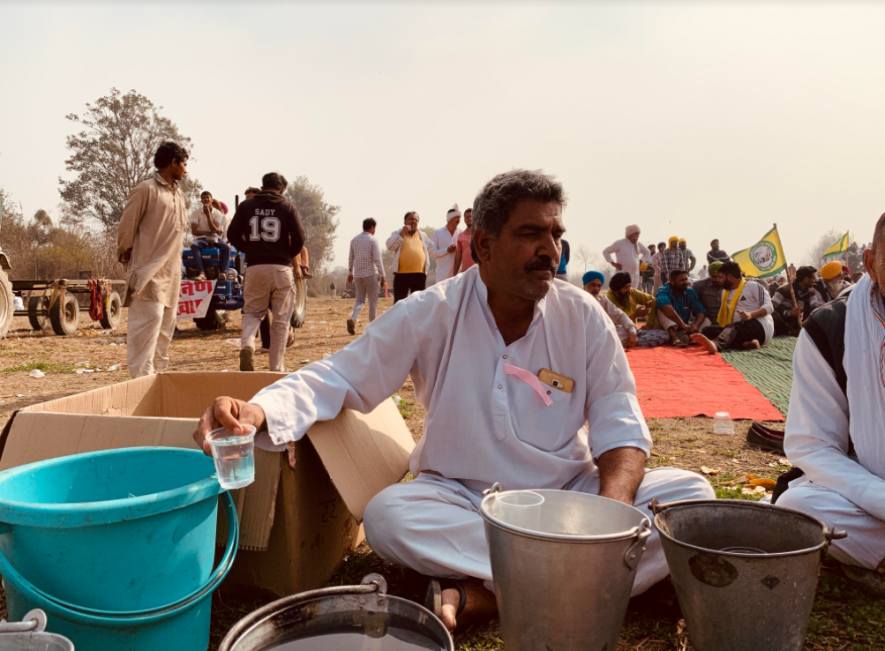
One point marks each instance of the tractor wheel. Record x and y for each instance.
(7, 304)
(113, 312)
(299, 314)
(37, 314)
(212, 321)
(65, 319)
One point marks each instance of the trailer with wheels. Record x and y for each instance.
(56, 304)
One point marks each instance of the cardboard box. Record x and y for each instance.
(301, 516)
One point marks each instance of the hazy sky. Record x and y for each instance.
(696, 119)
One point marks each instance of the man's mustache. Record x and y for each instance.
(542, 263)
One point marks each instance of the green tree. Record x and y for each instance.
(113, 153)
(319, 221)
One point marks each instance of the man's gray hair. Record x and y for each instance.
(495, 202)
(878, 233)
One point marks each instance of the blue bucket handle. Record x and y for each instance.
(106, 619)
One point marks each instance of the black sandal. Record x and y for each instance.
(433, 597)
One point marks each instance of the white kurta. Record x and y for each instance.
(445, 261)
(845, 492)
(482, 425)
(629, 256)
(754, 296)
(624, 326)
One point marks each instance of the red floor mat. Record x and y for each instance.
(673, 382)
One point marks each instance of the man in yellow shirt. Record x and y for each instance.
(411, 258)
(635, 303)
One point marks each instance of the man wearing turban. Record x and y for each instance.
(629, 253)
(672, 258)
(831, 282)
(687, 255)
(629, 334)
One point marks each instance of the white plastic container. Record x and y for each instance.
(722, 423)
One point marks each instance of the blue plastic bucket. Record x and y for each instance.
(117, 546)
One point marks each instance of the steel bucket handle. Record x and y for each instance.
(33, 622)
(88, 616)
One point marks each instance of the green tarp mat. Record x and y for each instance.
(770, 370)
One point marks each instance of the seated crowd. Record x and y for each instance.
(722, 310)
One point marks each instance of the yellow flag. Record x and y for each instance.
(763, 259)
(838, 248)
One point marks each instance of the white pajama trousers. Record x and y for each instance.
(151, 326)
(865, 544)
(433, 526)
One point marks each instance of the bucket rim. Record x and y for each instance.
(659, 509)
(85, 514)
(627, 534)
(256, 618)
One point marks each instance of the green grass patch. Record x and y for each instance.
(405, 410)
(39, 366)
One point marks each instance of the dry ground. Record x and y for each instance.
(844, 618)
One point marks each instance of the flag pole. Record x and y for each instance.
(789, 280)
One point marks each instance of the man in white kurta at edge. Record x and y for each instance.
(445, 241)
(464, 342)
(629, 253)
(834, 430)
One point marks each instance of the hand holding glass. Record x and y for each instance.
(234, 461)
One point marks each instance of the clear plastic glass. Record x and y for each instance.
(722, 423)
(234, 461)
(521, 509)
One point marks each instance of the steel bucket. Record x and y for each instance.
(30, 635)
(365, 614)
(745, 573)
(566, 586)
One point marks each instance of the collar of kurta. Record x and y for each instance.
(159, 179)
(483, 293)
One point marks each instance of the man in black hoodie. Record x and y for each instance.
(268, 229)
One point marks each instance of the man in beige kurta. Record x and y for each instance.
(149, 240)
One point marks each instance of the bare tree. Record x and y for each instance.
(815, 255)
(113, 153)
(590, 259)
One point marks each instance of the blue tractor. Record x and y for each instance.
(228, 294)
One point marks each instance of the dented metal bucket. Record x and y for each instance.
(745, 573)
(564, 586)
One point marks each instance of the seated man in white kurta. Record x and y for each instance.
(835, 430)
(474, 345)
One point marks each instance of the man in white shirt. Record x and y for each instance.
(208, 221)
(628, 333)
(744, 319)
(445, 243)
(474, 347)
(834, 429)
(629, 253)
(364, 262)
